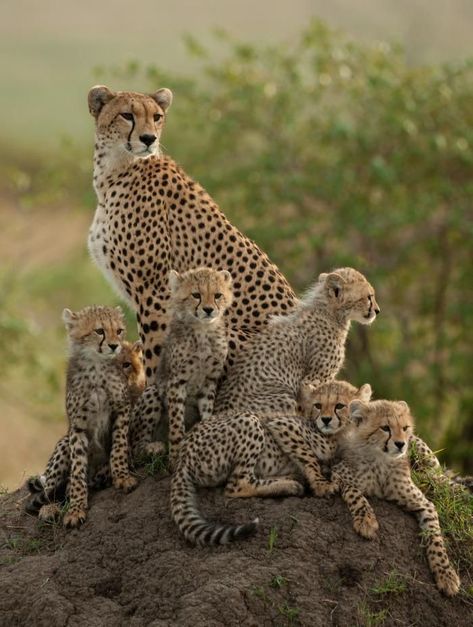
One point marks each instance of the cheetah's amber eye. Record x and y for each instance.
(157, 116)
(120, 331)
(217, 296)
(127, 116)
(405, 428)
(100, 331)
(126, 364)
(195, 295)
(339, 406)
(386, 428)
(317, 405)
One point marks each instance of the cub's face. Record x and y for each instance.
(99, 330)
(349, 292)
(384, 425)
(328, 404)
(129, 123)
(203, 294)
(131, 361)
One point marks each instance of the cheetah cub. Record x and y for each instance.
(241, 453)
(47, 502)
(307, 344)
(193, 355)
(375, 463)
(98, 404)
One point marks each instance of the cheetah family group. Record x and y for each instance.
(234, 371)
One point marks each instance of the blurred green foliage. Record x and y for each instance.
(330, 153)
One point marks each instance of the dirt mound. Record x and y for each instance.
(128, 566)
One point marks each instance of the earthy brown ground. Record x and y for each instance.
(128, 566)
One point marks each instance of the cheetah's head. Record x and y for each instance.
(96, 329)
(350, 294)
(129, 123)
(328, 404)
(384, 425)
(203, 294)
(131, 361)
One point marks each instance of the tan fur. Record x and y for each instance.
(307, 344)
(252, 457)
(152, 217)
(193, 357)
(98, 404)
(374, 463)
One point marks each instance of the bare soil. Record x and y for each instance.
(128, 566)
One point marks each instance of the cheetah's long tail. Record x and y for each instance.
(192, 525)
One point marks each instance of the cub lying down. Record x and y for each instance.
(241, 453)
(374, 463)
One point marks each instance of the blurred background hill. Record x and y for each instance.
(341, 141)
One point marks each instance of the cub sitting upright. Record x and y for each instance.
(98, 405)
(193, 355)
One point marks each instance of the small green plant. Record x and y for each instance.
(260, 593)
(278, 581)
(291, 613)
(157, 465)
(370, 618)
(273, 536)
(12, 543)
(454, 506)
(393, 584)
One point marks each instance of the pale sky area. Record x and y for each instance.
(48, 49)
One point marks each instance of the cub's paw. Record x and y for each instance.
(367, 525)
(74, 518)
(154, 448)
(322, 487)
(295, 488)
(49, 513)
(127, 484)
(447, 581)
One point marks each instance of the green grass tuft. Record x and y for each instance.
(273, 536)
(393, 584)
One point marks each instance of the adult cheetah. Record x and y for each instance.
(152, 217)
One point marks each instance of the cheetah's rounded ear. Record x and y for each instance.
(163, 97)
(333, 283)
(119, 311)
(306, 390)
(357, 411)
(404, 405)
(226, 276)
(365, 393)
(98, 97)
(68, 317)
(174, 280)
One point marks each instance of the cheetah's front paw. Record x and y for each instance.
(447, 581)
(74, 518)
(49, 513)
(322, 487)
(367, 526)
(127, 484)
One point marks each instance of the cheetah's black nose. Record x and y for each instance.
(377, 310)
(326, 419)
(208, 310)
(400, 445)
(148, 139)
(113, 347)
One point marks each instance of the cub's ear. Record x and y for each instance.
(137, 347)
(226, 276)
(333, 283)
(404, 405)
(174, 280)
(69, 317)
(98, 97)
(365, 393)
(305, 394)
(163, 97)
(119, 311)
(357, 411)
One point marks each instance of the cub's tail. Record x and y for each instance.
(192, 525)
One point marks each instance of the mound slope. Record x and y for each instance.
(128, 566)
